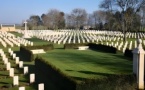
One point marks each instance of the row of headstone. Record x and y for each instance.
(87, 36)
(3, 43)
(109, 33)
(25, 72)
(8, 42)
(9, 39)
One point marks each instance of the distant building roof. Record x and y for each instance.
(7, 25)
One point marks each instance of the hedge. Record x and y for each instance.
(28, 55)
(46, 70)
(44, 47)
(92, 46)
(74, 46)
(52, 76)
(128, 53)
(103, 48)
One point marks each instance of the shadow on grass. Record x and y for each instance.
(95, 73)
(78, 78)
(60, 48)
(3, 83)
(21, 57)
(3, 74)
(69, 70)
(31, 68)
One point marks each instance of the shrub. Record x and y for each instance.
(46, 73)
(45, 47)
(103, 48)
(52, 74)
(73, 46)
(128, 53)
(28, 55)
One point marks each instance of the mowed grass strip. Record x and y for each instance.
(37, 41)
(16, 33)
(88, 63)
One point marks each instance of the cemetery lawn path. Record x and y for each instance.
(88, 64)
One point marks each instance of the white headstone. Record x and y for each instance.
(11, 53)
(21, 88)
(21, 64)
(16, 80)
(32, 78)
(14, 56)
(11, 72)
(25, 70)
(8, 66)
(41, 86)
(17, 60)
(9, 50)
(5, 60)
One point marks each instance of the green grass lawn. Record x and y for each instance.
(16, 34)
(37, 41)
(88, 64)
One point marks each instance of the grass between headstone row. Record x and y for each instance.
(7, 82)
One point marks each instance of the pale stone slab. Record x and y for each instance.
(14, 55)
(11, 72)
(21, 64)
(37, 51)
(21, 88)
(16, 80)
(11, 53)
(25, 70)
(32, 78)
(17, 60)
(83, 47)
(5, 60)
(41, 86)
(9, 50)
(8, 66)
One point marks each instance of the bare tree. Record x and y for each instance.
(34, 21)
(90, 20)
(107, 5)
(79, 17)
(123, 7)
(45, 21)
(54, 19)
(69, 21)
(99, 17)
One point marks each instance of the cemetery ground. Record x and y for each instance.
(16, 34)
(6, 81)
(88, 64)
(79, 65)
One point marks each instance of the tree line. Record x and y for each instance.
(123, 15)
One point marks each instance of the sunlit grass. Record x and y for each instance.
(88, 64)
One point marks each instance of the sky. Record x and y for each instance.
(16, 11)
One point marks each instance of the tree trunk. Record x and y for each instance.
(124, 36)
